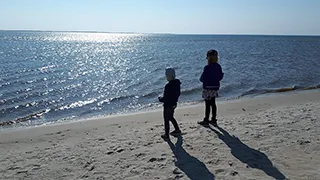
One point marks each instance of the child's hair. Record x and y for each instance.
(171, 73)
(212, 56)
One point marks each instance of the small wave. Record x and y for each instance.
(282, 89)
(78, 104)
(158, 69)
(46, 68)
(254, 91)
(13, 106)
(119, 98)
(312, 87)
(151, 94)
(5, 84)
(18, 97)
(25, 118)
(190, 91)
(104, 101)
(278, 90)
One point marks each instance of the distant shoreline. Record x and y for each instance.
(155, 33)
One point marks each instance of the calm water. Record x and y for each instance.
(50, 76)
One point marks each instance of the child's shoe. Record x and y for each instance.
(204, 123)
(175, 133)
(213, 122)
(165, 137)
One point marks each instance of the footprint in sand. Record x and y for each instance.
(178, 176)
(156, 159)
(91, 168)
(110, 152)
(140, 154)
(120, 150)
(189, 114)
(176, 171)
(219, 171)
(35, 166)
(24, 171)
(85, 175)
(89, 165)
(234, 173)
(230, 163)
(303, 142)
(14, 168)
(148, 144)
(216, 162)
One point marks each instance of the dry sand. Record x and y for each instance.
(275, 137)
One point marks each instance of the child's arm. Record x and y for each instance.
(161, 99)
(201, 78)
(165, 94)
(170, 94)
(221, 74)
(202, 75)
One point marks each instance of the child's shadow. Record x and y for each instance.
(252, 157)
(191, 166)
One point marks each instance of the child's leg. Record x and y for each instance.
(173, 120)
(166, 117)
(214, 108)
(207, 110)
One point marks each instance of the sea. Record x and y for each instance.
(48, 77)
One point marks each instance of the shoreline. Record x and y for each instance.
(36, 119)
(223, 110)
(182, 106)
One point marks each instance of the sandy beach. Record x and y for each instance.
(273, 137)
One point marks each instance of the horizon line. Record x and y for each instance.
(164, 33)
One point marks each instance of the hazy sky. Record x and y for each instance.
(164, 16)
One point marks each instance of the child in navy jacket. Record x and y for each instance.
(210, 78)
(170, 98)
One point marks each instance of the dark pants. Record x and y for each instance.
(210, 104)
(168, 113)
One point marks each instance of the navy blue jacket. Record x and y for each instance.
(211, 76)
(171, 93)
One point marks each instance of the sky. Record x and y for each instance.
(275, 17)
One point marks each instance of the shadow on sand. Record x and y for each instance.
(252, 157)
(191, 166)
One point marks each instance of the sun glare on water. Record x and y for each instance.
(93, 37)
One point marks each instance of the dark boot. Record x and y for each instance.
(205, 122)
(213, 121)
